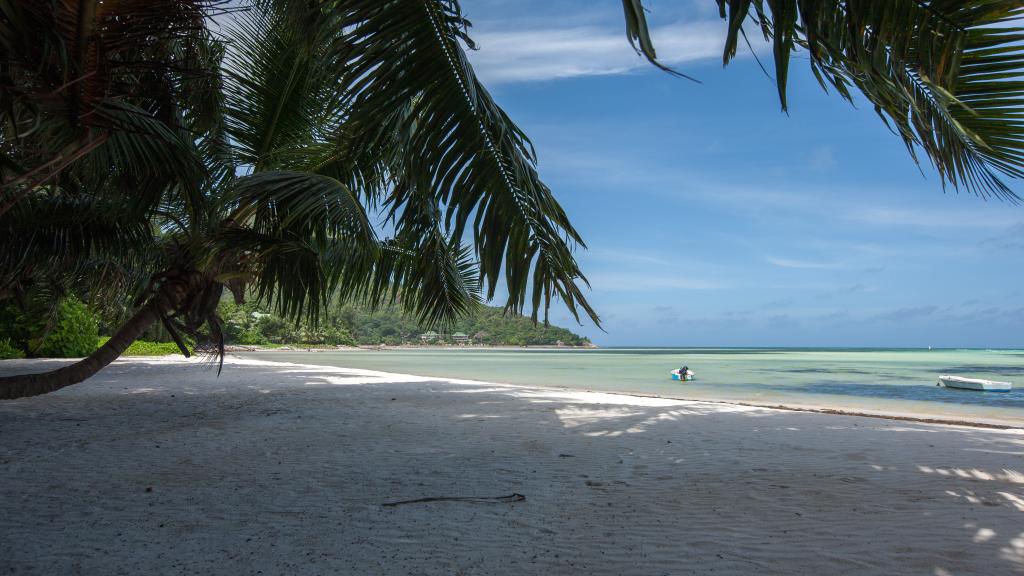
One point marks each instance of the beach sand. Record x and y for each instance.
(158, 466)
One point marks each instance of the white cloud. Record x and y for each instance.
(546, 54)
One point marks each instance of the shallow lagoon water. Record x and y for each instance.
(893, 381)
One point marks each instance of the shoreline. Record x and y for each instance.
(895, 415)
(386, 347)
(920, 417)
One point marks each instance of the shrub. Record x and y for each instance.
(75, 333)
(278, 330)
(146, 348)
(15, 329)
(249, 336)
(7, 351)
(327, 335)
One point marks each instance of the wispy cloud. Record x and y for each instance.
(842, 204)
(790, 263)
(547, 54)
(780, 303)
(846, 291)
(616, 282)
(925, 218)
(835, 317)
(782, 321)
(619, 256)
(1012, 239)
(822, 159)
(907, 314)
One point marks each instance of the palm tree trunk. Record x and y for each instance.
(23, 385)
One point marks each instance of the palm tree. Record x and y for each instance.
(257, 160)
(314, 117)
(944, 75)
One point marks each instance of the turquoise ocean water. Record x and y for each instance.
(874, 380)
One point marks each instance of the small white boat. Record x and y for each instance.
(676, 375)
(974, 384)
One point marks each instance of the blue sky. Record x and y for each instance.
(713, 219)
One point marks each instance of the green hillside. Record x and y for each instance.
(353, 324)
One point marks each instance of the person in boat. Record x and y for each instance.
(684, 372)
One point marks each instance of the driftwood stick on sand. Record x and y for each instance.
(514, 497)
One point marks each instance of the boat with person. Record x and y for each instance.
(974, 384)
(683, 374)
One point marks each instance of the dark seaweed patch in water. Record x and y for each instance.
(875, 375)
(984, 369)
(818, 371)
(624, 351)
(1012, 399)
(670, 351)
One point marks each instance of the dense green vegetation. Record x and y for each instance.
(73, 331)
(76, 332)
(8, 351)
(251, 324)
(69, 330)
(350, 325)
(485, 325)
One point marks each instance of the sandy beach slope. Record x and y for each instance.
(160, 467)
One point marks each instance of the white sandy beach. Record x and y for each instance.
(160, 467)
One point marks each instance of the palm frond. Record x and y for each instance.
(285, 273)
(64, 239)
(275, 82)
(436, 279)
(81, 73)
(282, 229)
(303, 205)
(413, 92)
(437, 283)
(639, 36)
(945, 75)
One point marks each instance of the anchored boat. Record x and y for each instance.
(974, 384)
